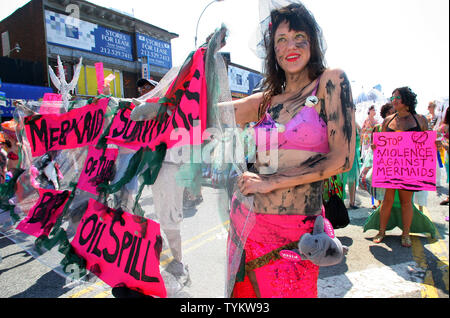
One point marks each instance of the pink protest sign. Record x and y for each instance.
(100, 77)
(121, 248)
(136, 134)
(98, 167)
(405, 160)
(51, 104)
(76, 128)
(43, 215)
(181, 122)
(109, 79)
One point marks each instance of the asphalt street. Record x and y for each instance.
(385, 270)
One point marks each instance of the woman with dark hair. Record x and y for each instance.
(310, 109)
(366, 173)
(405, 119)
(386, 110)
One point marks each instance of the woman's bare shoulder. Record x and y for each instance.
(334, 74)
(386, 121)
(422, 121)
(254, 100)
(388, 118)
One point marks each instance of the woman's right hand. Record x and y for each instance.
(250, 183)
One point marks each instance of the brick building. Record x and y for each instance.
(127, 47)
(72, 29)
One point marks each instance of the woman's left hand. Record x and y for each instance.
(250, 183)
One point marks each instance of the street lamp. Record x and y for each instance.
(16, 48)
(196, 30)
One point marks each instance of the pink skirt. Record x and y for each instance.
(275, 276)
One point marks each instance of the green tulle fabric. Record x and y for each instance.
(420, 222)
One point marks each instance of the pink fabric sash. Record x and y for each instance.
(280, 278)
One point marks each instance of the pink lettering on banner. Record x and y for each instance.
(121, 249)
(76, 128)
(43, 215)
(98, 167)
(136, 134)
(186, 123)
(405, 160)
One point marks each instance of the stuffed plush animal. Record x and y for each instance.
(144, 110)
(322, 248)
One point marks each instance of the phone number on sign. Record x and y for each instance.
(115, 53)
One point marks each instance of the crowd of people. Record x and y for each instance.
(311, 106)
(389, 113)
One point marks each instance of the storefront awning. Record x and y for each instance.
(20, 91)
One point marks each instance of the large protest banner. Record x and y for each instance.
(405, 160)
(76, 128)
(182, 119)
(43, 215)
(176, 130)
(98, 167)
(121, 248)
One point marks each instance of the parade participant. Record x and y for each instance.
(365, 182)
(176, 170)
(405, 119)
(434, 123)
(11, 142)
(443, 143)
(431, 117)
(168, 204)
(169, 209)
(316, 141)
(386, 110)
(351, 177)
(145, 86)
(367, 129)
(125, 199)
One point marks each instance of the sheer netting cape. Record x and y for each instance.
(99, 165)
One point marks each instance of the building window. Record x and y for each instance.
(239, 79)
(72, 32)
(87, 83)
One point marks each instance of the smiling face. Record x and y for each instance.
(292, 49)
(396, 101)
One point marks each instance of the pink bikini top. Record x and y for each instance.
(306, 131)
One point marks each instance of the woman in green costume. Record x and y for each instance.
(351, 177)
(398, 203)
(365, 178)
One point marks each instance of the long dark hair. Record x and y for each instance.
(385, 109)
(299, 19)
(409, 98)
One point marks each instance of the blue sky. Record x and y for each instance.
(389, 42)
